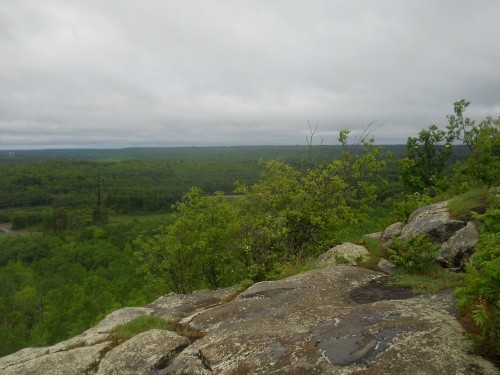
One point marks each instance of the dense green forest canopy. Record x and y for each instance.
(70, 184)
(53, 287)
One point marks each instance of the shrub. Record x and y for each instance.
(294, 213)
(414, 255)
(479, 300)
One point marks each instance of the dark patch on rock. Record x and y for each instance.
(377, 290)
(357, 348)
(357, 337)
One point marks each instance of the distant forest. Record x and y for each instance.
(70, 189)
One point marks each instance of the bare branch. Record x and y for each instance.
(309, 140)
(367, 131)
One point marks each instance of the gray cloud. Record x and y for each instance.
(104, 73)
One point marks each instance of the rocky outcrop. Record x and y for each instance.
(333, 320)
(456, 237)
(312, 323)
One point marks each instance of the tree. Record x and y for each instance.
(196, 250)
(427, 156)
(483, 142)
(303, 209)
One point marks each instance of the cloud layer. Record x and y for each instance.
(102, 73)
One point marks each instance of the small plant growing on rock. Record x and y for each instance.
(414, 255)
(359, 259)
(341, 259)
(145, 323)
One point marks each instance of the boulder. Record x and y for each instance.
(393, 230)
(459, 247)
(143, 353)
(375, 236)
(433, 220)
(386, 267)
(343, 254)
(121, 316)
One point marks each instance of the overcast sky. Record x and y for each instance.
(113, 74)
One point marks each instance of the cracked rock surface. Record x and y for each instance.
(335, 320)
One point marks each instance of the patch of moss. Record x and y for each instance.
(145, 323)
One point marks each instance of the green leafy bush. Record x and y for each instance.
(296, 213)
(414, 255)
(195, 251)
(479, 300)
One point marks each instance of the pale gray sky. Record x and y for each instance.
(123, 73)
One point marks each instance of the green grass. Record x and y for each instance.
(146, 323)
(295, 267)
(376, 253)
(142, 324)
(431, 282)
(474, 200)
